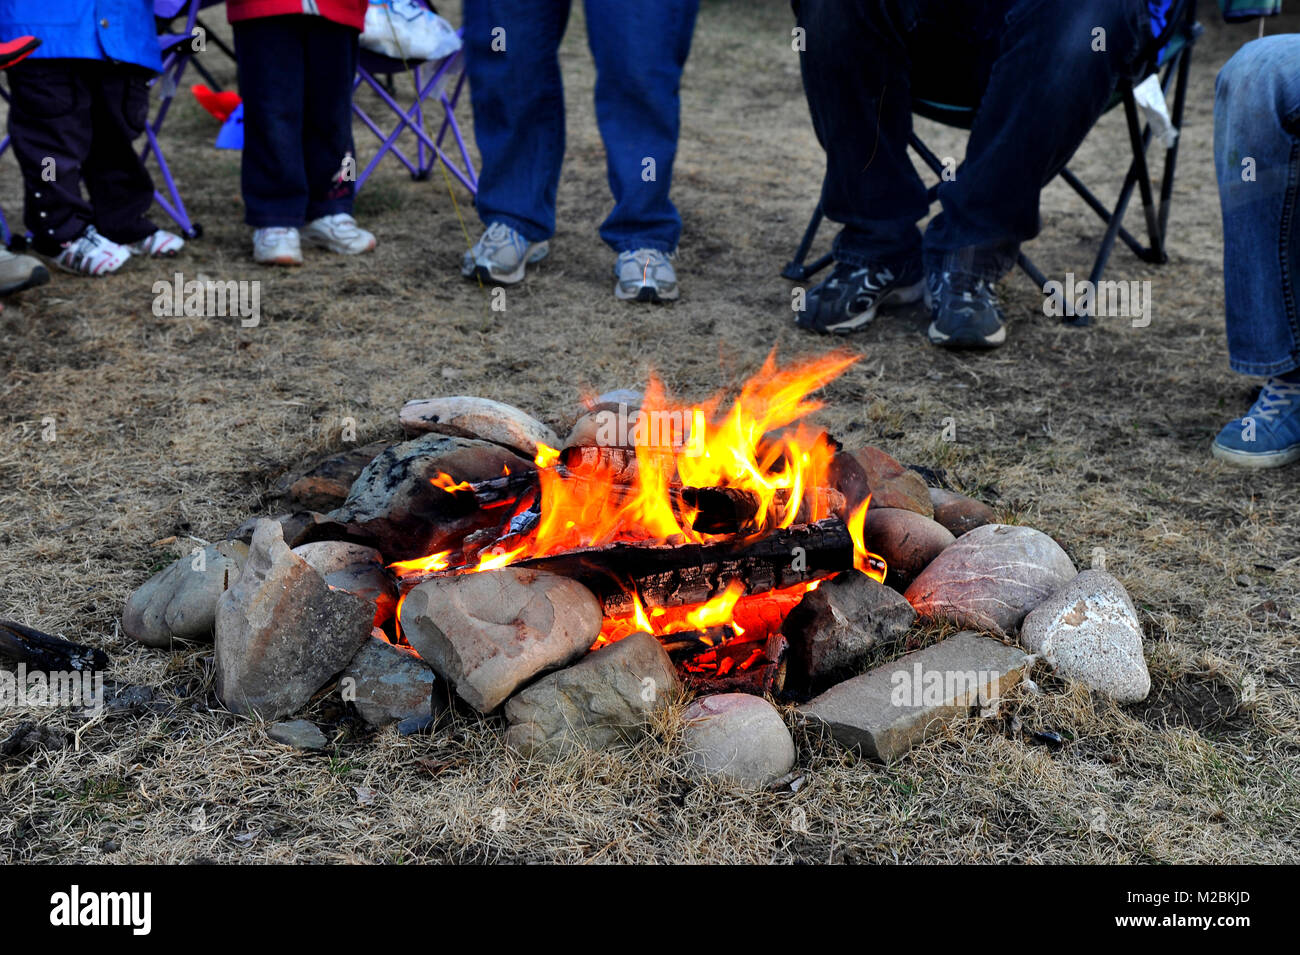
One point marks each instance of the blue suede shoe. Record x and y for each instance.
(1268, 435)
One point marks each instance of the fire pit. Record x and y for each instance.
(709, 549)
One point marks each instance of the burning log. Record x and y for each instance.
(680, 574)
(40, 651)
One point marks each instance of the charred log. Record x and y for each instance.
(40, 651)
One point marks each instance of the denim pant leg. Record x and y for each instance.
(857, 78)
(271, 53)
(512, 60)
(1046, 89)
(640, 48)
(1257, 158)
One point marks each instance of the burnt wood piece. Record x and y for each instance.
(40, 651)
(680, 573)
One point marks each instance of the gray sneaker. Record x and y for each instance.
(501, 254)
(18, 272)
(645, 275)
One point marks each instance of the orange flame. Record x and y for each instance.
(759, 445)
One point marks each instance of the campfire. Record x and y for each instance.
(702, 525)
(729, 550)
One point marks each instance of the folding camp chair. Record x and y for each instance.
(178, 48)
(438, 80)
(1169, 50)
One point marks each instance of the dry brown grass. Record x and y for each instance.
(1099, 437)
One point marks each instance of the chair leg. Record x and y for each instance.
(796, 270)
(1171, 154)
(1139, 144)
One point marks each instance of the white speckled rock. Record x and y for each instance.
(466, 417)
(738, 737)
(1089, 631)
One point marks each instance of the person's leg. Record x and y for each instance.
(121, 189)
(330, 157)
(857, 75)
(640, 49)
(50, 126)
(1055, 69)
(272, 81)
(512, 60)
(1257, 159)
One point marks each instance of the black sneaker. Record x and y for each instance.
(964, 311)
(849, 298)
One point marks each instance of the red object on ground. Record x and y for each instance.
(11, 51)
(220, 105)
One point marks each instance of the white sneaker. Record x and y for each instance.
(161, 244)
(91, 254)
(339, 233)
(277, 245)
(646, 275)
(501, 255)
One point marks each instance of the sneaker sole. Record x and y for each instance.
(973, 343)
(895, 299)
(646, 293)
(279, 260)
(484, 273)
(324, 243)
(1260, 460)
(40, 276)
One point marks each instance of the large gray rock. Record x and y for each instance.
(388, 684)
(609, 695)
(355, 568)
(832, 629)
(888, 710)
(489, 633)
(737, 737)
(180, 602)
(282, 632)
(482, 418)
(991, 578)
(1089, 631)
(395, 504)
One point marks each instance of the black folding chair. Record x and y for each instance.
(1170, 52)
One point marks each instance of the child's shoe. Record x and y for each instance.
(91, 254)
(161, 244)
(277, 246)
(339, 233)
(1268, 435)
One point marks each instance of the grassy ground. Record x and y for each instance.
(175, 427)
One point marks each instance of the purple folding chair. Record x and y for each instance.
(178, 49)
(438, 80)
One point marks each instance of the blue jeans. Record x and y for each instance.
(295, 74)
(1029, 68)
(1257, 158)
(640, 48)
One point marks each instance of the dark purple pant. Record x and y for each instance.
(74, 123)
